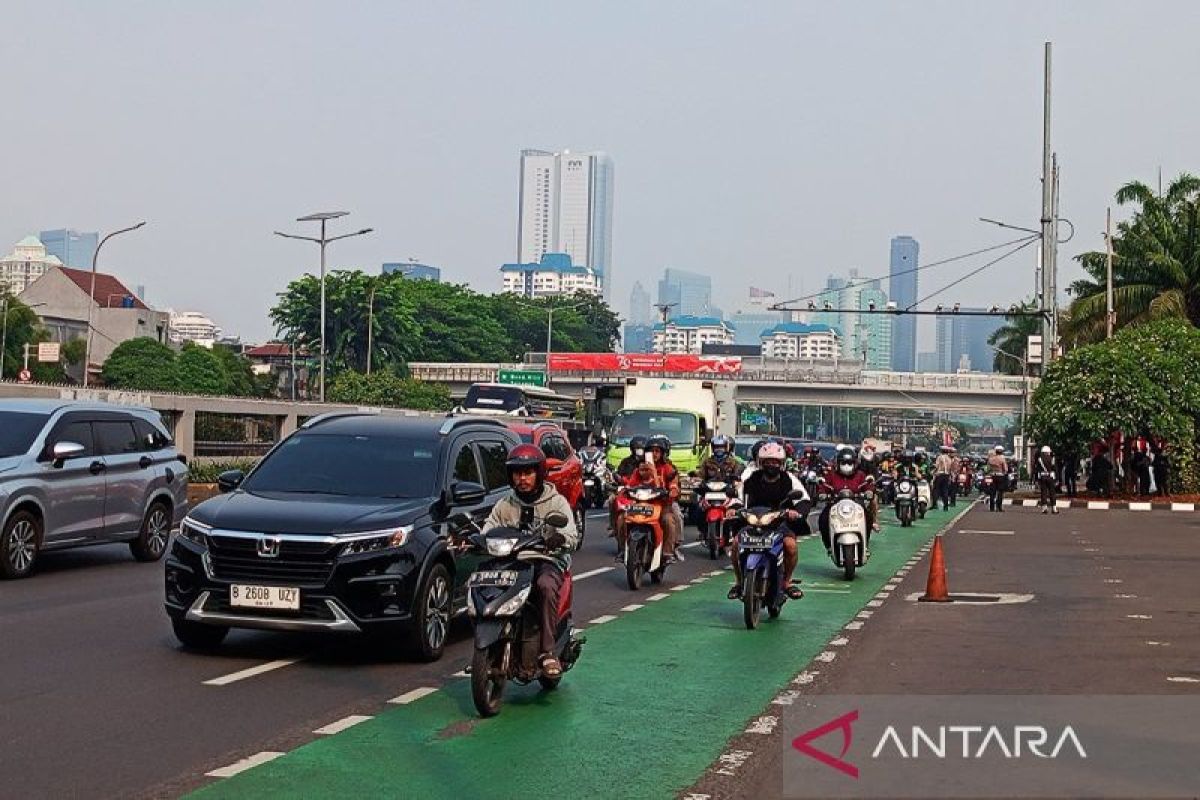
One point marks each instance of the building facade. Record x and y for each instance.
(192, 326)
(639, 305)
(565, 206)
(73, 248)
(637, 338)
(690, 334)
(414, 271)
(554, 275)
(796, 340)
(962, 342)
(748, 324)
(902, 290)
(864, 336)
(688, 293)
(28, 261)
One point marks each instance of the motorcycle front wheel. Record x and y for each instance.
(714, 539)
(487, 682)
(633, 567)
(751, 600)
(848, 562)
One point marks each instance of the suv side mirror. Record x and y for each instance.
(466, 493)
(230, 480)
(62, 451)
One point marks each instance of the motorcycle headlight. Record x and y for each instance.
(513, 604)
(846, 509)
(768, 519)
(644, 494)
(375, 541)
(717, 486)
(500, 547)
(194, 532)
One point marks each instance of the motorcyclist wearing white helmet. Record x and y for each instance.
(769, 486)
(1046, 472)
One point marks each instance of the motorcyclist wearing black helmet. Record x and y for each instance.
(847, 474)
(533, 499)
(637, 454)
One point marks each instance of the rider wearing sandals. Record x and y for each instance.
(531, 501)
(770, 486)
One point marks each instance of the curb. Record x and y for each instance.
(1104, 505)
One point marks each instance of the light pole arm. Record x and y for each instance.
(87, 351)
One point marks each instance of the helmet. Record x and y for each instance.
(919, 457)
(1045, 449)
(659, 442)
(721, 445)
(526, 456)
(756, 448)
(847, 461)
(637, 445)
(772, 451)
(999, 448)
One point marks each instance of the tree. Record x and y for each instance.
(389, 389)
(1013, 339)
(240, 372)
(200, 371)
(141, 363)
(1156, 264)
(23, 328)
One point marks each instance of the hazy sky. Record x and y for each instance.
(754, 141)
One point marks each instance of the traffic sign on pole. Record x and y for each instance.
(522, 377)
(24, 376)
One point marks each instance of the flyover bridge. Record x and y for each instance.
(789, 384)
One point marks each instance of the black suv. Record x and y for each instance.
(342, 527)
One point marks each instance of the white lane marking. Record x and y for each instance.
(1113, 580)
(1091, 549)
(1030, 503)
(1183, 506)
(1159, 644)
(241, 675)
(888, 587)
(1002, 598)
(243, 765)
(699, 580)
(1142, 507)
(1105, 567)
(414, 695)
(853, 626)
(633, 607)
(656, 597)
(601, 620)
(786, 698)
(715, 572)
(1182, 679)
(884, 595)
(1138, 616)
(864, 614)
(763, 725)
(874, 603)
(1125, 597)
(827, 591)
(732, 761)
(839, 641)
(590, 573)
(681, 587)
(341, 725)
(806, 677)
(462, 673)
(992, 533)
(826, 656)
(1097, 505)
(691, 545)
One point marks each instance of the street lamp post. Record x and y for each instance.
(370, 325)
(87, 351)
(550, 333)
(323, 217)
(1024, 393)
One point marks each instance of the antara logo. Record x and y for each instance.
(842, 723)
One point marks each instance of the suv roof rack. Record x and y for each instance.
(312, 422)
(455, 420)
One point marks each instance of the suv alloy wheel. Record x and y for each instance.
(19, 545)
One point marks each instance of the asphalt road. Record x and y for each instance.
(1113, 611)
(99, 699)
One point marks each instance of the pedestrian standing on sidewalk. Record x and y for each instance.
(1070, 471)
(1161, 466)
(1047, 478)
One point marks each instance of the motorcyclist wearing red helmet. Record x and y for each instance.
(847, 473)
(533, 499)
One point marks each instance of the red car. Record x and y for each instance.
(564, 469)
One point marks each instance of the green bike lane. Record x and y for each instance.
(655, 696)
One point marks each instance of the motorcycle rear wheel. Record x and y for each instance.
(751, 600)
(487, 685)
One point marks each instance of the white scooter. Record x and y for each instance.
(906, 501)
(924, 498)
(848, 531)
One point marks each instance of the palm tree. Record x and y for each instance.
(1156, 263)
(1013, 338)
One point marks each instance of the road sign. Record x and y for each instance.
(1033, 350)
(24, 376)
(522, 377)
(49, 352)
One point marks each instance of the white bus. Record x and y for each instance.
(517, 401)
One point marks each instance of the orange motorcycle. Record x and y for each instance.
(643, 524)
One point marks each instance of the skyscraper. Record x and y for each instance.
(902, 290)
(690, 292)
(566, 207)
(959, 336)
(639, 305)
(73, 248)
(865, 337)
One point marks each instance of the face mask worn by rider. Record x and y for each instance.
(720, 454)
(772, 469)
(846, 468)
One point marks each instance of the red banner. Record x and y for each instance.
(644, 362)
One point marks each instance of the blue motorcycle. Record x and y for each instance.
(760, 553)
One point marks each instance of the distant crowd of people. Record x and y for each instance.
(1137, 465)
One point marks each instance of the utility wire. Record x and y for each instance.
(864, 281)
(975, 272)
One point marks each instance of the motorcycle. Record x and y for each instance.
(644, 532)
(811, 477)
(987, 487)
(596, 477)
(760, 554)
(848, 530)
(964, 483)
(715, 498)
(924, 497)
(506, 623)
(887, 489)
(905, 501)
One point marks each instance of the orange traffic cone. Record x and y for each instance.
(935, 589)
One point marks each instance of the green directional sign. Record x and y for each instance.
(522, 377)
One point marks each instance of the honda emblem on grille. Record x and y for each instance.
(268, 546)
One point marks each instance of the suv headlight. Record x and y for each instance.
(194, 532)
(374, 541)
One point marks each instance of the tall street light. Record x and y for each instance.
(87, 354)
(323, 217)
(550, 311)
(1024, 392)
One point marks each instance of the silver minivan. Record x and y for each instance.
(75, 474)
